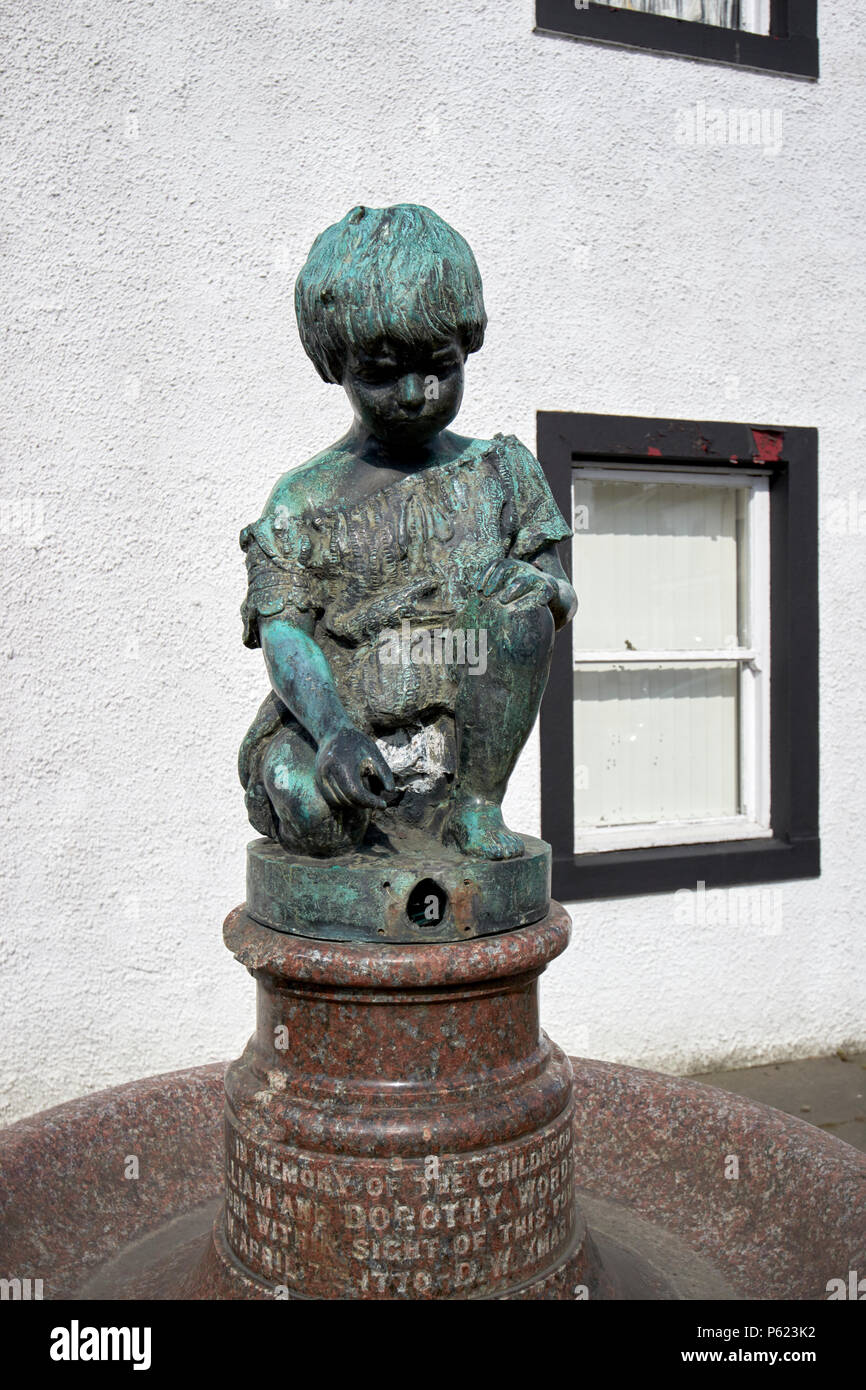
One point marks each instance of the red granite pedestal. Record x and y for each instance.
(399, 1126)
(418, 1137)
(650, 1156)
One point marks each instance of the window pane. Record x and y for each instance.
(662, 565)
(657, 566)
(655, 743)
(753, 15)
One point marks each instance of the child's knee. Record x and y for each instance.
(522, 631)
(305, 823)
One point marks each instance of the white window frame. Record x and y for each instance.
(753, 664)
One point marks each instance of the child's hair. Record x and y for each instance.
(399, 273)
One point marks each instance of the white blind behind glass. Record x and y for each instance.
(655, 744)
(656, 565)
(752, 15)
(657, 569)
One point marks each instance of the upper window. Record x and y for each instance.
(679, 729)
(770, 35)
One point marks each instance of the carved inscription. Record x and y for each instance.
(431, 1226)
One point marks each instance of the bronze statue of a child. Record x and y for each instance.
(377, 566)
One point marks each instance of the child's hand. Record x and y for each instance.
(514, 579)
(344, 760)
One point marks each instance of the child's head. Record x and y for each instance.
(398, 274)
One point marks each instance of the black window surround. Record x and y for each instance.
(790, 457)
(790, 49)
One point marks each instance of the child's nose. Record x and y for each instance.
(412, 391)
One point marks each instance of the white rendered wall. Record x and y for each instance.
(167, 164)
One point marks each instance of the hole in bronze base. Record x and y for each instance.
(426, 905)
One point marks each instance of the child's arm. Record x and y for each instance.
(280, 616)
(563, 604)
(300, 675)
(537, 526)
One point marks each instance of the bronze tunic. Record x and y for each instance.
(414, 550)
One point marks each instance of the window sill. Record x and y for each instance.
(668, 868)
(606, 839)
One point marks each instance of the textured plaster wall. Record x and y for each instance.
(166, 166)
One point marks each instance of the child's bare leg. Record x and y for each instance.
(494, 713)
(306, 823)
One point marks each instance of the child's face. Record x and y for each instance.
(405, 396)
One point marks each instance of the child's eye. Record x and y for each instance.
(448, 362)
(377, 375)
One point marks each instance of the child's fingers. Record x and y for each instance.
(332, 791)
(378, 766)
(493, 576)
(519, 588)
(360, 795)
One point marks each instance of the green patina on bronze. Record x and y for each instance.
(404, 584)
(363, 896)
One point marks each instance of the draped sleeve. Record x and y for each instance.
(276, 576)
(534, 520)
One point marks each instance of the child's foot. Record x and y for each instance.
(477, 827)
